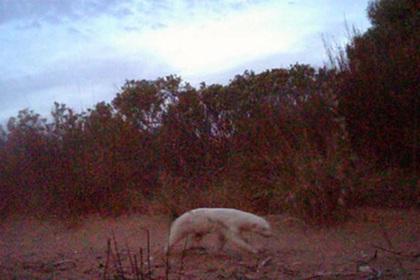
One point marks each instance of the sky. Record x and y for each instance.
(80, 52)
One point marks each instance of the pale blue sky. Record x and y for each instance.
(80, 52)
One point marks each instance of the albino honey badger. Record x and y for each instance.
(229, 224)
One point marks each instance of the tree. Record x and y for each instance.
(143, 102)
(379, 93)
(3, 137)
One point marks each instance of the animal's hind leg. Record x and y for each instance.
(221, 238)
(174, 239)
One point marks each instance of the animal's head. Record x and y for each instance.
(262, 228)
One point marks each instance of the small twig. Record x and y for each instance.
(263, 263)
(108, 253)
(149, 271)
(118, 262)
(60, 264)
(396, 252)
(93, 255)
(130, 259)
(149, 266)
(390, 245)
(182, 258)
(167, 265)
(330, 274)
(141, 263)
(288, 271)
(136, 268)
(374, 257)
(387, 250)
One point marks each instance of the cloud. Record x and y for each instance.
(206, 38)
(35, 24)
(58, 11)
(78, 71)
(80, 83)
(65, 50)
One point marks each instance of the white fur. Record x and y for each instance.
(228, 223)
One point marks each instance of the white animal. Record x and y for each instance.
(229, 224)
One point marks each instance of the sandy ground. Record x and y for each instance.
(374, 244)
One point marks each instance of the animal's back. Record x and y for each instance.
(191, 221)
(228, 215)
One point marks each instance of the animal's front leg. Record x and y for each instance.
(235, 238)
(241, 234)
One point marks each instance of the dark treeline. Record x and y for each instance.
(312, 141)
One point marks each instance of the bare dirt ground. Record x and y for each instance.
(373, 244)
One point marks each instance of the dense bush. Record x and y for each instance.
(311, 141)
